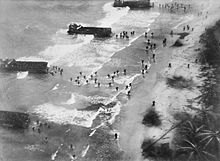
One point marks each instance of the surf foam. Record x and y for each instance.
(85, 151)
(113, 14)
(55, 87)
(70, 101)
(61, 115)
(64, 53)
(22, 75)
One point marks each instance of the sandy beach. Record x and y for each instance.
(154, 88)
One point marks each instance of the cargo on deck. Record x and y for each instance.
(100, 32)
(140, 4)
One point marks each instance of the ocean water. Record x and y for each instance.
(36, 30)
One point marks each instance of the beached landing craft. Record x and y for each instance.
(14, 119)
(140, 4)
(12, 65)
(100, 32)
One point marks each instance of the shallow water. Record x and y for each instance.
(38, 32)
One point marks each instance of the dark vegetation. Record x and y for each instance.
(179, 82)
(197, 139)
(156, 150)
(151, 118)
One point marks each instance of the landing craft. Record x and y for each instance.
(99, 32)
(12, 65)
(14, 119)
(139, 4)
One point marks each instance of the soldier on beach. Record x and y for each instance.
(129, 93)
(153, 103)
(142, 71)
(154, 58)
(171, 33)
(61, 71)
(152, 35)
(164, 42)
(169, 65)
(145, 35)
(125, 71)
(147, 49)
(142, 64)
(116, 136)
(196, 60)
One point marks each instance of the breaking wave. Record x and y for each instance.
(71, 100)
(60, 53)
(62, 115)
(113, 14)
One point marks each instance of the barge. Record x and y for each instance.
(12, 65)
(14, 119)
(139, 4)
(100, 32)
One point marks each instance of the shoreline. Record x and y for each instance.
(127, 120)
(138, 100)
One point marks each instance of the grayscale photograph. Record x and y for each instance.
(109, 80)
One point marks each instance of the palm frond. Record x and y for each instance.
(208, 142)
(209, 154)
(199, 128)
(190, 143)
(185, 148)
(190, 156)
(205, 138)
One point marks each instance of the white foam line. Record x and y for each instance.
(95, 128)
(55, 87)
(85, 151)
(187, 19)
(54, 155)
(116, 109)
(92, 133)
(67, 130)
(130, 42)
(70, 101)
